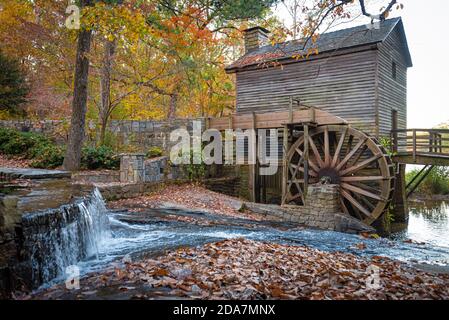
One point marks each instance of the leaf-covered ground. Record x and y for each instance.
(190, 196)
(13, 162)
(244, 269)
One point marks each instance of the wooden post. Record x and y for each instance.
(312, 115)
(253, 167)
(230, 122)
(414, 145)
(290, 111)
(284, 165)
(400, 210)
(306, 160)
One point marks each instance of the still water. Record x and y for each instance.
(429, 223)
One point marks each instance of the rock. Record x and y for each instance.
(265, 209)
(348, 224)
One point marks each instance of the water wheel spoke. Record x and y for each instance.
(296, 181)
(327, 153)
(339, 146)
(362, 179)
(365, 201)
(311, 172)
(358, 156)
(351, 154)
(354, 202)
(349, 144)
(312, 164)
(295, 197)
(361, 191)
(316, 153)
(343, 206)
(360, 166)
(367, 187)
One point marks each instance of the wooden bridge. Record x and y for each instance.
(428, 147)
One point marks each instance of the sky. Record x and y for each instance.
(426, 24)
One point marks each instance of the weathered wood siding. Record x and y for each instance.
(343, 85)
(392, 93)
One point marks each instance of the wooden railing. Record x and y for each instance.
(421, 142)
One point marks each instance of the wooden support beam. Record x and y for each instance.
(414, 145)
(284, 165)
(420, 180)
(253, 172)
(276, 120)
(306, 160)
(290, 111)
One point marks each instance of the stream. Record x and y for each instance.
(139, 235)
(93, 237)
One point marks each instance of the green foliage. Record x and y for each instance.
(154, 152)
(30, 145)
(195, 172)
(102, 157)
(13, 87)
(49, 157)
(387, 143)
(26, 144)
(437, 182)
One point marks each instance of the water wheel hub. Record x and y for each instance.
(330, 175)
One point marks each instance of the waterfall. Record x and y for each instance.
(57, 238)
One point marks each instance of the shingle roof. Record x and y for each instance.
(337, 40)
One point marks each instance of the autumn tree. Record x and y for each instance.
(13, 86)
(72, 159)
(310, 17)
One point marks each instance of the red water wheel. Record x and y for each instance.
(349, 158)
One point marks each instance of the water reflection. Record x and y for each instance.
(429, 222)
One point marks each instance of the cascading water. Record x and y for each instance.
(55, 239)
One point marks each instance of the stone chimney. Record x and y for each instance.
(255, 38)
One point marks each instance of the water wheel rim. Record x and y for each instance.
(350, 190)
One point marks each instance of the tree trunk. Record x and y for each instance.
(173, 105)
(72, 160)
(105, 87)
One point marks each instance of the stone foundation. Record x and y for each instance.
(321, 210)
(229, 186)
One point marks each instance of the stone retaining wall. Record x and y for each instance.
(138, 135)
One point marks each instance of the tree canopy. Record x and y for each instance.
(13, 86)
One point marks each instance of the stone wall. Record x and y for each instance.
(321, 210)
(134, 168)
(138, 135)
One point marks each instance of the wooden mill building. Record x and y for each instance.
(360, 75)
(331, 108)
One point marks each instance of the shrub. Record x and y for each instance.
(49, 157)
(26, 144)
(102, 157)
(437, 182)
(154, 152)
(195, 172)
